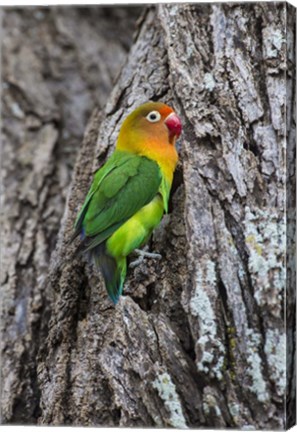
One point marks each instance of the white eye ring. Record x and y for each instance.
(153, 116)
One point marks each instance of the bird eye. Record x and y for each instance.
(153, 116)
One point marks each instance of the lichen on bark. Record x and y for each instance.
(199, 337)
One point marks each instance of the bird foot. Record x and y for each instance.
(143, 254)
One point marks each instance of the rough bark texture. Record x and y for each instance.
(199, 339)
(57, 64)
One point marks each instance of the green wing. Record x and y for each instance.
(120, 188)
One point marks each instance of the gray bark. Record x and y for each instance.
(57, 64)
(199, 338)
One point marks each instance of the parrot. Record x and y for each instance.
(130, 192)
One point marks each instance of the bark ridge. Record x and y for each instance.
(199, 338)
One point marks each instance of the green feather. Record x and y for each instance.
(121, 188)
(131, 182)
(165, 192)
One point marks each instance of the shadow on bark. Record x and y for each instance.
(199, 338)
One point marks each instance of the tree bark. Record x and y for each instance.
(199, 338)
(57, 64)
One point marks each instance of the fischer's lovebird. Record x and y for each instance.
(130, 192)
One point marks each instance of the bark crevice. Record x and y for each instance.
(198, 338)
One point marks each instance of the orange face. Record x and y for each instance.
(151, 123)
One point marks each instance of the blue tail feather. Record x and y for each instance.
(113, 271)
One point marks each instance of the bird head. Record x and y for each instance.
(151, 122)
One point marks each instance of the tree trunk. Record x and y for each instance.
(57, 64)
(199, 337)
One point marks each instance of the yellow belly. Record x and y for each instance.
(136, 230)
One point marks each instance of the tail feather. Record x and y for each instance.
(113, 271)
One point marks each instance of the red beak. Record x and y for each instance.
(174, 125)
